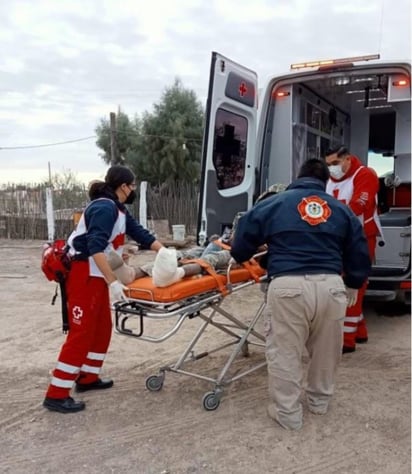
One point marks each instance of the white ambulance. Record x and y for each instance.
(248, 146)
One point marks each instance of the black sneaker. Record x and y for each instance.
(63, 405)
(361, 340)
(99, 384)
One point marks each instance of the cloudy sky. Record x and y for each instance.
(65, 64)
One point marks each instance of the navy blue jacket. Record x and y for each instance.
(336, 245)
(100, 216)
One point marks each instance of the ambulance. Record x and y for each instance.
(256, 138)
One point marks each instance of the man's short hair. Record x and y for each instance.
(314, 168)
(340, 150)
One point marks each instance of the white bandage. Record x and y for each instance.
(165, 270)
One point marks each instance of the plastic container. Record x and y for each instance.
(179, 232)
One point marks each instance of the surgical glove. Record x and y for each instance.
(116, 290)
(351, 296)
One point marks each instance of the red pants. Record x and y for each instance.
(355, 324)
(88, 339)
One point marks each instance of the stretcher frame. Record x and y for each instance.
(207, 307)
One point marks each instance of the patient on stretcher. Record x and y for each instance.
(170, 266)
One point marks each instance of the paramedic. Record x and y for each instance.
(102, 228)
(357, 186)
(312, 239)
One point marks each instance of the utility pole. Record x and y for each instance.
(113, 137)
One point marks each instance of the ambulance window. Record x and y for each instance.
(229, 148)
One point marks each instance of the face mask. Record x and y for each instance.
(336, 171)
(131, 197)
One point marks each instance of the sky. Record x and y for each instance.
(67, 64)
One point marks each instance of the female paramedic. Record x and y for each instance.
(101, 229)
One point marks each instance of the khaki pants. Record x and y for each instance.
(303, 311)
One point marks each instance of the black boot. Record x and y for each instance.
(63, 405)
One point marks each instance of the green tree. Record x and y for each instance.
(164, 145)
(172, 136)
(127, 136)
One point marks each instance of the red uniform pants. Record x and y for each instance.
(88, 339)
(355, 325)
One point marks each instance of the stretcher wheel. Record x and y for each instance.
(154, 383)
(210, 401)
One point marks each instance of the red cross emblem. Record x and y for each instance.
(314, 210)
(242, 89)
(77, 312)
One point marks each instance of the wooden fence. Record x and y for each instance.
(23, 211)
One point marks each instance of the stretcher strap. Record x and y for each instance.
(252, 267)
(210, 270)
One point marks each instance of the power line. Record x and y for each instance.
(24, 147)
(47, 144)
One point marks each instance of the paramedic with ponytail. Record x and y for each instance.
(357, 186)
(90, 285)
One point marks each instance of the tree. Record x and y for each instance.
(68, 191)
(127, 136)
(172, 136)
(164, 145)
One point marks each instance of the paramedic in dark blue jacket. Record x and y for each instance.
(317, 259)
(102, 229)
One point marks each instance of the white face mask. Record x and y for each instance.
(336, 171)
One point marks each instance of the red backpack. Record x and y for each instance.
(55, 262)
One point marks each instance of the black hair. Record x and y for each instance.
(98, 189)
(117, 175)
(314, 168)
(340, 150)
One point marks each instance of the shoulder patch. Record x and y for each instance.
(314, 210)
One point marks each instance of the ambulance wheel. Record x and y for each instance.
(210, 401)
(154, 383)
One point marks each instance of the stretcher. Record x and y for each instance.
(195, 297)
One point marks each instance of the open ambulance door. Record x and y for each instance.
(229, 141)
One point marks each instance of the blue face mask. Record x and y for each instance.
(336, 171)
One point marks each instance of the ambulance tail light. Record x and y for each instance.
(405, 285)
(280, 94)
(401, 83)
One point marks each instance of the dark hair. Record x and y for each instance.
(97, 189)
(340, 150)
(314, 168)
(117, 175)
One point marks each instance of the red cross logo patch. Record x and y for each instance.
(314, 210)
(77, 312)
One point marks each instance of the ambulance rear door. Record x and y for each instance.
(228, 157)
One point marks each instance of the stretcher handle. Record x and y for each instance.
(250, 265)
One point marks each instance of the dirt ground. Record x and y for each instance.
(129, 429)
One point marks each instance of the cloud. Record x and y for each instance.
(66, 64)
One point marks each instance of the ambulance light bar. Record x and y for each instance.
(334, 62)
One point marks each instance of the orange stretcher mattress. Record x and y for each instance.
(143, 288)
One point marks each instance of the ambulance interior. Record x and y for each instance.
(369, 111)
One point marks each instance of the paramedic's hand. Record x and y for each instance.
(116, 290)
(352, 296)
(232, 262)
